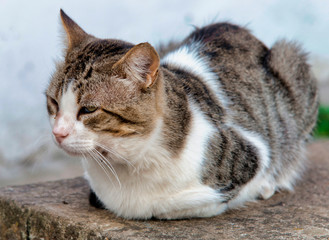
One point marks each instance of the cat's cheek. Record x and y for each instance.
(81, 137)
(52, 121)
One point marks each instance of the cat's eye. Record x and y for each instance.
(86, 110)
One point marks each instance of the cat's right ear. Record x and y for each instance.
(74, 33)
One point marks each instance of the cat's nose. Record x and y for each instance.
(61, 128)
(60, 134)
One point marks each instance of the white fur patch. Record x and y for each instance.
(68, 104)
(67, 108)
(205, 198)
(187, 58)
(193, 155)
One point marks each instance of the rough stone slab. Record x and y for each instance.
(60, 210)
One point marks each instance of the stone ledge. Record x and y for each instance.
(60, 210)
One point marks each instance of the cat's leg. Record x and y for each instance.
(201, 201)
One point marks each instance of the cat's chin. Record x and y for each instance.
(72, 152)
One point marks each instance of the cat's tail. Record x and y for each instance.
(288, 63)
(296, 101)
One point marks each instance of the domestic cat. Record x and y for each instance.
(191, 130)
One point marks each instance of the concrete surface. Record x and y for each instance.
(60, 210)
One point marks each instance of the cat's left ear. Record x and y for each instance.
(141, 63)
(75, 34)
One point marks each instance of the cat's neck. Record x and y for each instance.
(146, 152)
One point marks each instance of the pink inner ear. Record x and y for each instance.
(153, 69)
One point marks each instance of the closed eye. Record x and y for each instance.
(121, 118)
(52, 106)
(54, 101)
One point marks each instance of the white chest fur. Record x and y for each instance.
(163, 187)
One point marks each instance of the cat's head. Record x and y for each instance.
(104, 93)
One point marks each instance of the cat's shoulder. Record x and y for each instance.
(218, 30)
(226, 36)
(223, 35)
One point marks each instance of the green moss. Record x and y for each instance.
(322, 128)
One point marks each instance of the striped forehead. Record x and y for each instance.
(72, 86)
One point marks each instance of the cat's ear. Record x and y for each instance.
(141, 63)
(75, 34)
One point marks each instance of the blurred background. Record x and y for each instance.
(30, 43)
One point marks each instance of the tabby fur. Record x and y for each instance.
(218, 120)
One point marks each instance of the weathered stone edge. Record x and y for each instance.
(20, 222)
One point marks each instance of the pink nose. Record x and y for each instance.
(60, 135)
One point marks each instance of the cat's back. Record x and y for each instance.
(262, 83)
(234, 57)
(222, 37)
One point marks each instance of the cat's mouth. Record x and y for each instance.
(70, 150)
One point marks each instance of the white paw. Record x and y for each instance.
(267, 192)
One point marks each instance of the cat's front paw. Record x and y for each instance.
(207, 210)
(267, 192)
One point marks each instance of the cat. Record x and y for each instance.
(192, 130)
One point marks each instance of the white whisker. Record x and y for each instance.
(87, 146)
(81, 146)
(98, 161)
(114, 153)
(109, 165)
